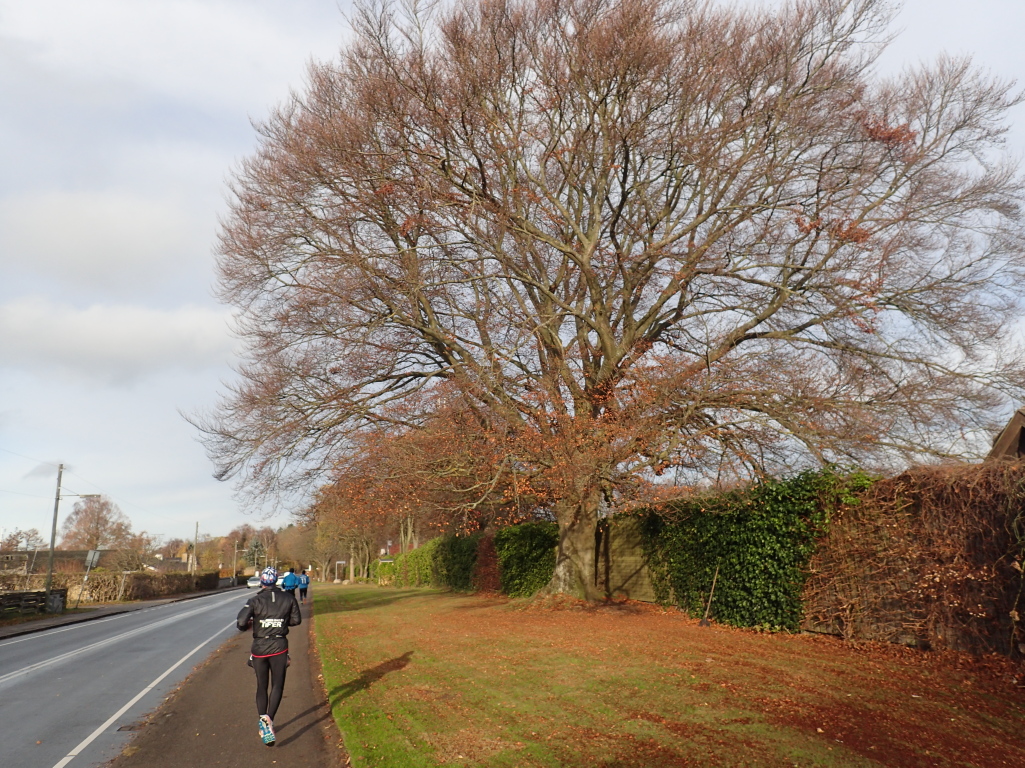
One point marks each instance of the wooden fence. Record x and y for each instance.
(21, 603)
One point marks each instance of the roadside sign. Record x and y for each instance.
(92, 558)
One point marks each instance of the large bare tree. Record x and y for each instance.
(630, 236)
(97, 523)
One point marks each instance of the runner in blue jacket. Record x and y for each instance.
(290, 582)
(304, 585)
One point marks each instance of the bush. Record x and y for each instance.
(414, 568)
(105, 587)
(526, 557)
(760, 539)
(519, 560)
(454, 561)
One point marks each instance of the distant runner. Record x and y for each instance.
(270, 612)
(304, 585)
(290, 582)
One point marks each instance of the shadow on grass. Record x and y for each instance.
(368, 677)
(293, 736)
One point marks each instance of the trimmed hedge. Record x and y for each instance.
(447, 561)
(453, 564)
(760, 538)
(104, 587)
(526, 557)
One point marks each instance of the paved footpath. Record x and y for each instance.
(211, 719)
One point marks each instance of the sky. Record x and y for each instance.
(120, 124)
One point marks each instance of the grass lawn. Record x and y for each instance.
(421, 677)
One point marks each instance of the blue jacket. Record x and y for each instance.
(304, 581)
(291, 581)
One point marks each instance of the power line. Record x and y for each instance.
(30, 458)
(84, 480)
(30, 495)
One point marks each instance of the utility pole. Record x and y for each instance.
(195, 551)
(53, 535)
(234, 559)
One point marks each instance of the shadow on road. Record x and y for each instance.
(368, 677)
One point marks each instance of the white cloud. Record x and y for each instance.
(111, 344)
(92, 239)
(185, 49)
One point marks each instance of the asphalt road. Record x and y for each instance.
(66, 692)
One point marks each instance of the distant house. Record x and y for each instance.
(1010, 443)
(15, 562)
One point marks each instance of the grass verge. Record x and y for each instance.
(420, 677)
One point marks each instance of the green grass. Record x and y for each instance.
(420, 677)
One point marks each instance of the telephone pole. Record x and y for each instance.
(53, 535)
(195, 551)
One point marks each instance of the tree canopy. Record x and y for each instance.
(620, 238)
(96, 523)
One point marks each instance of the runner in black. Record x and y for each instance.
(270, 612)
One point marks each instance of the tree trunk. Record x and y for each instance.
(575, 565)
(407, 535)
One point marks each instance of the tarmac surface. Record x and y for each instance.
(211, 719)
(101, 611)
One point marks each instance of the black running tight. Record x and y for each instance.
(272, 667)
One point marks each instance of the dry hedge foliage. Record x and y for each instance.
(931, 557)
(105, 587)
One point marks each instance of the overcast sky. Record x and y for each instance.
(119, 122)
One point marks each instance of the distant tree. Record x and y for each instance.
(171, 550)
(261, 546)
(237, 541)
(293, 545)
(211, 555)
(19, 539)
(96, 523)
(256, 553)
(316, 541)
(142, 543)
(631, 237)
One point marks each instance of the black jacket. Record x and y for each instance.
(271, 613)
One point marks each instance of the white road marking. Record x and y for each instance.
(109, 641)
(113, 718)
(92, 623)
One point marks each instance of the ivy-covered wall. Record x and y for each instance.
(934, 557)
(759, 539)
(526, 557)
